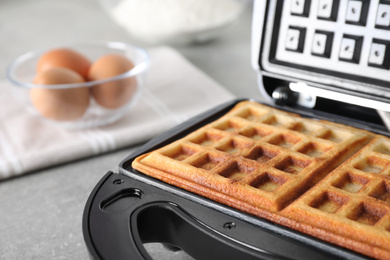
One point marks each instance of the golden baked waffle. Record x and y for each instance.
(282, 167)
(353, 200)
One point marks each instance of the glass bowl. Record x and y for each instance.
(77, 105)
(174, 21)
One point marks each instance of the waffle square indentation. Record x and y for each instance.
(180, 153)
(236, 171)
(351, 182)
(383, 148)
(314, 149)
(329, 202)
(372, 164)
(292, 165)
(284, 140)
(268, 182)
(229, 126)
(261, 154)
(234, 146)
(335, 135)
(208, 161)
(382, 192)
(304, 128)
(251, 114)
(277, 120)
(255, 133)
(207, 139)
(367, 214)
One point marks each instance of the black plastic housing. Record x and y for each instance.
(128, 209)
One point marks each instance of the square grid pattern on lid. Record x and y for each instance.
(346, 39)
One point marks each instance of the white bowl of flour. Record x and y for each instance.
(174, 21)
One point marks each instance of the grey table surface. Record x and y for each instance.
(41, 212)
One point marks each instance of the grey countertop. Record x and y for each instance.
(41, 212)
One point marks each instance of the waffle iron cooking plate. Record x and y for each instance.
(296, 47)
(128, 209)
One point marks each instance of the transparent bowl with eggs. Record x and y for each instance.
(82, 85)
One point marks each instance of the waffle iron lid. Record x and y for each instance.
(323, 47)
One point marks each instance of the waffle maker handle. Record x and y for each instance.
(117, 222)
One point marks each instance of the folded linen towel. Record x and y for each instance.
(174, 91)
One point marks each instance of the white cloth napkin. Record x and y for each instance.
(175, 91)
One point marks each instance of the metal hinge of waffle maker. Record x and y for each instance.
(331, 56)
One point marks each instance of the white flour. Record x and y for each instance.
(164, 18)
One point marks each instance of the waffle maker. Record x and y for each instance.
(322, 59)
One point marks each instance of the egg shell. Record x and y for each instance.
(60, 104)
(64, 58)
(116, 93)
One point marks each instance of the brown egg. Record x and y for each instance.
(56, 103)
(116, 93)
(64, 58)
